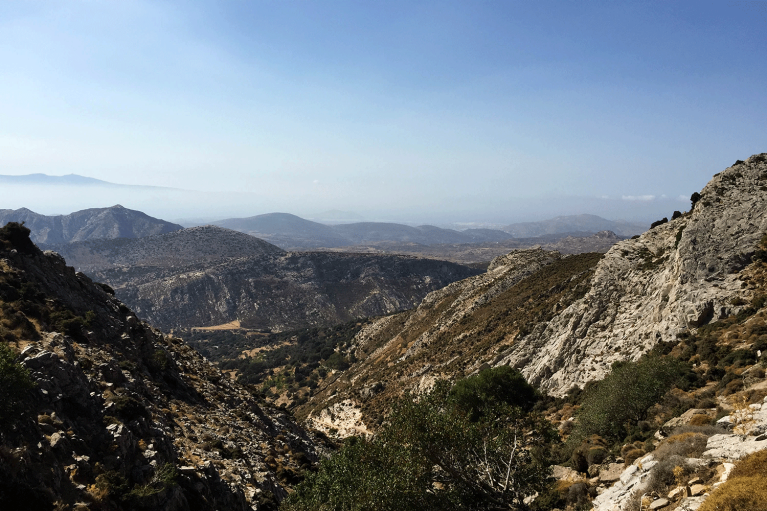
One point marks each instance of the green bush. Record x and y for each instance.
(15, 387)
(492, 387)
(432, 454)
(613, 406)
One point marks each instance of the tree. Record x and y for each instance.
(492, 387)
(612, 406)
(15, 384)
(435, 454)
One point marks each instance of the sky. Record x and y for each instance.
(472, 111)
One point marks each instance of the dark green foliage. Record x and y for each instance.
(659, 222)
(677, 214)
(128, 408)
(16, 235)
(159, 362)
(493, 387)
(15, 387)
(431, 455)
(622, 399)
(304, 352)
(694, 198)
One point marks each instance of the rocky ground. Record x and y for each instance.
(123, 416)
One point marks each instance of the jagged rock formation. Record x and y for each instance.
(96, 223)
(209, 275)
(564, 320)
(679, 275)
(123, 416)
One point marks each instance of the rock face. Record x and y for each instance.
(123, 416)
(96, 223)
(679, 275)
(210, 275)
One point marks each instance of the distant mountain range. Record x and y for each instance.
(293, 232)
(96, 223)
(574, 224)
(66, 180)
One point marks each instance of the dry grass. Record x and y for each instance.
(690, 444)
(745, 489)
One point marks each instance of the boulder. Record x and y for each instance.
(611, 473)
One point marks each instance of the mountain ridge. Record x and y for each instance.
(93, 223)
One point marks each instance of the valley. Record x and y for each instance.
(634, 372)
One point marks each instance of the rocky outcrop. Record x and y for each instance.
(722, 451)
(677, 276)
(122, 415)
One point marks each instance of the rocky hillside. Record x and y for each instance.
(209, 275)
(196, 245)
(564, 320)
(675, 277)
(88, 224)
(119, 415)
(295, 290)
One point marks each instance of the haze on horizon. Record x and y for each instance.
(459, 111)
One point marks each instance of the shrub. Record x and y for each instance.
(666, 472)
(677, 214)
(689, 444)
(700, 419)
(633, 455)
(16, 235)
(614, 405)
(128, 408)
(15, 387)
(694, 198)
(746, 487)
(659, 222)
(491, 387)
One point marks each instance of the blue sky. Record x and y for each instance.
(462, 111)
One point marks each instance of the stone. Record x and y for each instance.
(732, 447)
(694, 481)
(698, 489)
(611, 473)
(58, 439)
(561, 473)
(724, 471)
(658, 504)
(679, 492)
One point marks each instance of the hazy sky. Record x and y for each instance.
(424, 108)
